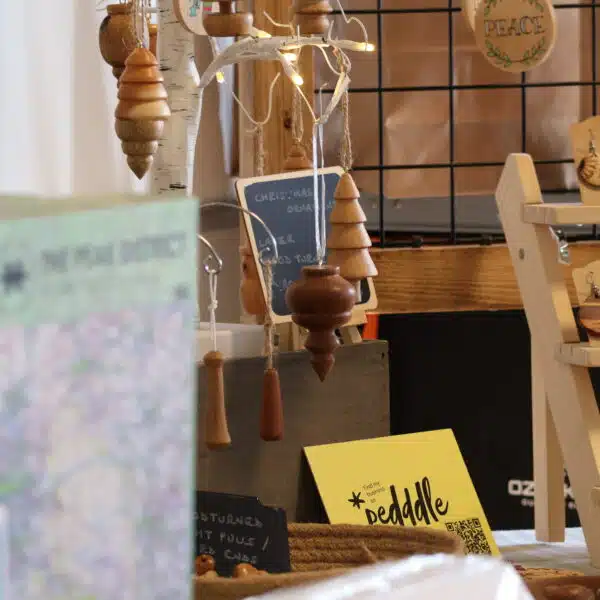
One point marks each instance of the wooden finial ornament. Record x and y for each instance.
(227, 22)
(117, 37)
(312, 16)
(297, 160)
(321, 301)
(217, 432)
(348, 242)
(142, 110)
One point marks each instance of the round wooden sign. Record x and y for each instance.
(515, 35)
(190, 14)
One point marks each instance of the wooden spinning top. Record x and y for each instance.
(297, 160)
(312, 16)
(227, 22)
(253, 299)
(142, 110)
(321, 301)
(348, 242)
(117, 38)
(204, 563)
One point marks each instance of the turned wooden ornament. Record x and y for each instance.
(142, 110)
(253, 299)
(271, 415)
(297, 159)
(348, 242)
(321, 301)
(204, 563)
(217, 432)
(312, 16)
(227, 22)
(117, 37)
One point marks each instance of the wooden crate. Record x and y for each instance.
(351, 404)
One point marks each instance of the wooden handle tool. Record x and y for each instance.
(217, 432)
(271, 415)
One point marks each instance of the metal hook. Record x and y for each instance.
(213, 256)
(274, 249)
(564, 256)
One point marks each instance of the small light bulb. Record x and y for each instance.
(290, 56)
(369, 47)
(297, 79)
(220, 77)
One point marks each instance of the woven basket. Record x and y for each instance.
(561, 586)
(323, 551)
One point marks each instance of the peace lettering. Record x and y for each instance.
(512, 27)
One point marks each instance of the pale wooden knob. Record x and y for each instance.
(217, 432)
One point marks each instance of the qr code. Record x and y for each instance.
(472, 534)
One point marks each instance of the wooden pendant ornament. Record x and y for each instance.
(253, 299)
(321, 301)
(348, 242)
(227, 22)
(142, 110)
(117, 36)
(312, 16)
(515, 35)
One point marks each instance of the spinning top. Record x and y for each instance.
(244, 570)
(117, 36)
(227, 22)
(321, 301)
(142, 110)
(204, 563)
(312, 16)
(348, 241)
(297, 160)
(253, 299)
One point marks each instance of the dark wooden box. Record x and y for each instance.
(351, 404)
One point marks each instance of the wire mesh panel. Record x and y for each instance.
(432, 122)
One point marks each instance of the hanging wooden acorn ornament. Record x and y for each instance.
(142, 110)
(271, 415)
(117, 36)
(589, 312)
(312, 16)
(227, 22)
(348, 242)
(321, 301)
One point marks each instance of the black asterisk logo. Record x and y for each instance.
(356, 500)
(13, 276)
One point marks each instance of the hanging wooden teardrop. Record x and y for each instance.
(297, 160)
(217, 431)
(271, 416)
(312, 16)
(117, 37)
(321, 301)
(253, 299)
(227, 22)
(348, 242)
(142, 110)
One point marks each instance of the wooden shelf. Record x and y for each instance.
(581, 354)
(556, 213)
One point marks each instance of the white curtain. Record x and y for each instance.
(57, 100)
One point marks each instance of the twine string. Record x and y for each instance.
(268, 326)
(346, 158)
(212, 307)
(297, 121)
(259, 150)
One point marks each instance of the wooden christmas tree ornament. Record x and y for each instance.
(321, 301)
(253, 299)
(312, 16)
(297, 160)
(117, 36)
(142, 110)
(348, 242)
(227, 22)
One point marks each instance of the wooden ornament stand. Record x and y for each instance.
(566, 420)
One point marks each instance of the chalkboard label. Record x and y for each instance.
(285, 203)
(239, 529)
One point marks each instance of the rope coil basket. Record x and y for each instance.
(323, 551)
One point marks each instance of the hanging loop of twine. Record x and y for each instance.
(297, 120)
(138, 19)
(346, 158)
(259, 151)
(268, 326)
(212, 307)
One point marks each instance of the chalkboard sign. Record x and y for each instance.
(285, 203)
(239, 529)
